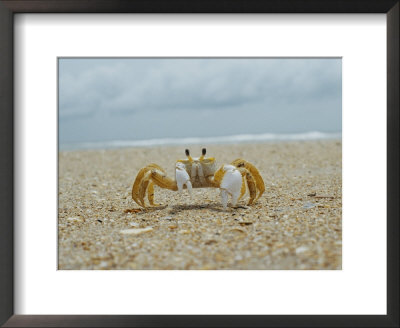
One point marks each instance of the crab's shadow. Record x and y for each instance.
(175, 209)
(193, 207)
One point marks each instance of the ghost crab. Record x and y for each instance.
(201, 172)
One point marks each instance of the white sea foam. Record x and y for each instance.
(240, 138)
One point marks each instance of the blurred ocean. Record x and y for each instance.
(241, 138)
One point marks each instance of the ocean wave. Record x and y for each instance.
(240, 138)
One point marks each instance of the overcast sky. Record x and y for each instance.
(131, 99)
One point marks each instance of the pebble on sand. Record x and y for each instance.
(301, 249)
(75, 219)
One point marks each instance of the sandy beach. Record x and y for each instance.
(296, 224)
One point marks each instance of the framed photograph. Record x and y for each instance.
(199, 163)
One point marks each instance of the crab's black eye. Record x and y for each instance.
(187, 152)
(203, 151)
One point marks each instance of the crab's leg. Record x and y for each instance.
(161, 180)
(243, 189)
(137, 183)
(154, 177)
(254, 172)
(150, 194)
(142, 182)
(143, 188)
(139, 178)
(251, 184)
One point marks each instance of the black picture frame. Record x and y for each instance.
(10, 7)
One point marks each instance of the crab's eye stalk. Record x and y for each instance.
(188, 155)
(203, 152)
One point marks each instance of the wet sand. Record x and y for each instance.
(296, 224)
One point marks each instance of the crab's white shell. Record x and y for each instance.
(198, 171)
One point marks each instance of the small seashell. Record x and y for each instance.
(309, 205)
(103, 264)
(301, 249)
(136, 231)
